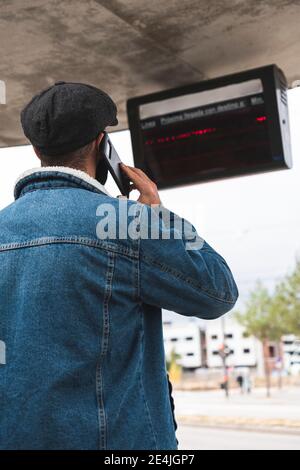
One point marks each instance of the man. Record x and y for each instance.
(81, 302)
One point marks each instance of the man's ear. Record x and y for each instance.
(101, 170)
(99, 138)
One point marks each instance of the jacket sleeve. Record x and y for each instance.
(179, 271)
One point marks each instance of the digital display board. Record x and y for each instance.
(224, 127)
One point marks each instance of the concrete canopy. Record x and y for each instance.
(133, 47)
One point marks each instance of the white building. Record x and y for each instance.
(198, 345)
(244, 351)
(185, 339)
(291, 353)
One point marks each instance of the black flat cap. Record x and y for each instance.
(67, 116)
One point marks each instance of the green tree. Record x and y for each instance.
(173, 359)
(263, 319)
(287, 300)
(174, 369)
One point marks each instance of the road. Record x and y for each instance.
(193, 437)
(283, 405)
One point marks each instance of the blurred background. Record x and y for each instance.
(237, 379)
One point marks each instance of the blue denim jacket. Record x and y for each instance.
(80, 317)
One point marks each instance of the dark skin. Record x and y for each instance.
(139, 180)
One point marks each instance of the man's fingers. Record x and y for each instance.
(140, 172)
(138, 181)
(132, 174)
(141, 180)
(132, 187)
(128, 169)
(143, 184)
(135, 171)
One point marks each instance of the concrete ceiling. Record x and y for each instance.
(133, 47)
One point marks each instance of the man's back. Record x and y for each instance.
(80, 316)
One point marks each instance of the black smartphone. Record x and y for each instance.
(112, 162)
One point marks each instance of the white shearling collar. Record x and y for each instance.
(69, 171)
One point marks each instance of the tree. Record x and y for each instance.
(263, 319)
(173, 367)
(287, 300)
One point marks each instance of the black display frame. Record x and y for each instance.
(275, 87)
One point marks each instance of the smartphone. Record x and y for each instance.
(112, 162)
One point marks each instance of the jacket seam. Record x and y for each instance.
(148, 414)
(61, 172)
(50, 188)
(98, 244)
(164, 268)
(137, 273)
(102, 420)
(142, 387)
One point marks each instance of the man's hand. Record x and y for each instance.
(147, 188)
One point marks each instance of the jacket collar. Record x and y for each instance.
(34, 178)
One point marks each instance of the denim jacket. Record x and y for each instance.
(80, 314)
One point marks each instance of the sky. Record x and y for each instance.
(253, 221)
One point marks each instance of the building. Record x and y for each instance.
(187, 340)
(198, 345)
(243, 351)
(291, 353)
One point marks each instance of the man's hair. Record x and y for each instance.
(76, 159)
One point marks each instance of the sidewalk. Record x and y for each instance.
(204, 438)
(280, 413)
